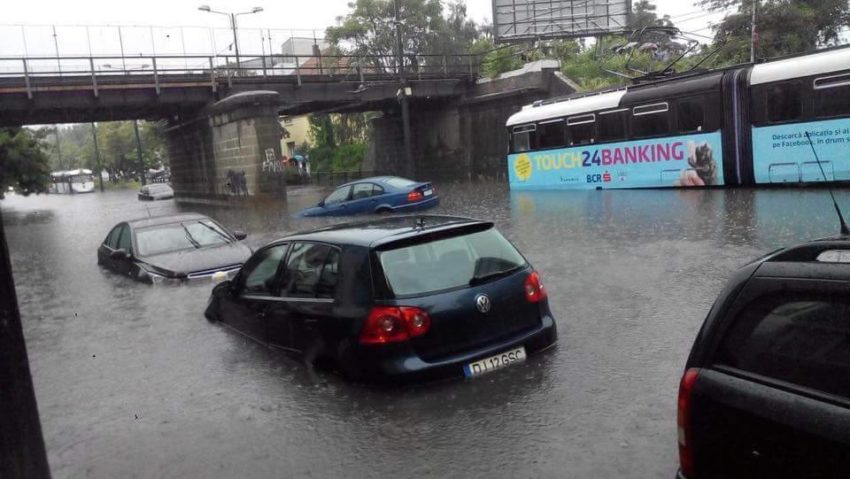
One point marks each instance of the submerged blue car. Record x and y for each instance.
(379, 194)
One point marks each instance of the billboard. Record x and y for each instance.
(782, 153)
(521, 20)
(680, 161)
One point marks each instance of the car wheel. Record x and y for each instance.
(384, 211)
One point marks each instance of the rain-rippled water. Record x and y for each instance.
(132, 381)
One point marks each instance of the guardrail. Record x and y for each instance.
(210, 70)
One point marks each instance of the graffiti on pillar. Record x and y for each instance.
(236, 184)
(272, 164)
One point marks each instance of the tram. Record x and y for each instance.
(744, 125)
(72, 181)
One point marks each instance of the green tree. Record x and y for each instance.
(340, 141)
(427, 29)
(23, 163)
(116, 143)
(783, 26)
(643, 15)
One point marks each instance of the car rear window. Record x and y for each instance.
(399, 182)
(803, 341)
(449, 263)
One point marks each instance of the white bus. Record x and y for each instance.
(72, 181)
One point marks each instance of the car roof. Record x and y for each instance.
(165, 219)
(373, 233)
(376, 179)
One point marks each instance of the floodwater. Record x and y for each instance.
(132, 381)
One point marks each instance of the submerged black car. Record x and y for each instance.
(172, 248)
(766, 389)
(399, 299)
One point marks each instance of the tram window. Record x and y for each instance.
(582, 129)
(691, 116)
(783, 102)
(522, 138)
(551, 134)
(832, 95)
(650, 120)
(612, 125)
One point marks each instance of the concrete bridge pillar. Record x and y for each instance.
(229, 151)
(465, 137)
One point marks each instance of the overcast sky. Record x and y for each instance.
(278, 15)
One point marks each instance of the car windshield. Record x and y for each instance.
(449, 263)
(180, 236)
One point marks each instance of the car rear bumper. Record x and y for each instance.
(399, 364)
(418, 206)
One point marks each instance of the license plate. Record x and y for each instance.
(428, 192)
(493, 363)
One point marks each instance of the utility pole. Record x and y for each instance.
(753, 33)
(232, 16)
(22, 452)
(139, 152)
(235, 40)
(58, 148)
(403, 95)
(97, 155)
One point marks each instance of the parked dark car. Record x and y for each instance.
(156, 191)
(380, 194)
(172, 248)
(766, 389)
(394, 300)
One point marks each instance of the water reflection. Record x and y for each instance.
(133, 381)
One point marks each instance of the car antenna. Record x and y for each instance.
(845, 231)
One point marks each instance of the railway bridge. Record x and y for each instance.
(223, 117)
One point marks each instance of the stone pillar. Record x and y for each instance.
(230, 152)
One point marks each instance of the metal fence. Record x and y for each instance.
(147, 40)
(157, 70)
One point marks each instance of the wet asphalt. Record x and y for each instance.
(133, 382)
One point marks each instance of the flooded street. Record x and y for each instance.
(132, 381)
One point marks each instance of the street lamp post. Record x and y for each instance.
(232, 17)
(403, 91)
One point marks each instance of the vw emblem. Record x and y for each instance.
(482, 301)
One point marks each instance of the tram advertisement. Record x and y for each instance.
(782, 154)
(681, 161)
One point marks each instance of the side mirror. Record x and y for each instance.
(239, 235)
(321, 204)
(120, 254)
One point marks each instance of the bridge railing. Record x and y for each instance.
(216, 69)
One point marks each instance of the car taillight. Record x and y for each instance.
(683, 420)
(414, 195)
(534, 290)
(393, 324)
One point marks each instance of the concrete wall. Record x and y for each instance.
(230, 151)
(465, 138)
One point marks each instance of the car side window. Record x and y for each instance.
(377, 190)
(311, 271)
(800, 340)
(338, 196)
(112, 238)
(361, 191)
(125, 242)
(260, 273)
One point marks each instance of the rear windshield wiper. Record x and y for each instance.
(476, 280)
